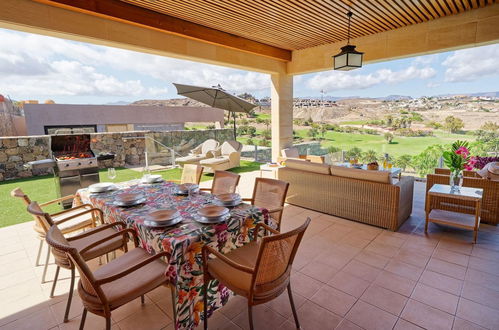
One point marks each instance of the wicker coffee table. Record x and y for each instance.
(463, 220)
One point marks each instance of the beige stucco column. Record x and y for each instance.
(282, 113)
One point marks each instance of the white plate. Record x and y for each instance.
(212, 220)
(152, 223)
(152, 182)
(137, 202)
(154, 178)
(101, 187)
(230, 204)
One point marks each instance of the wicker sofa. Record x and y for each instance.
(490, 198)
(360, 195)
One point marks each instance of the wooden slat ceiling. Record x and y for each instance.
(298, 24)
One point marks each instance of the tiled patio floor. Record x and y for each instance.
(346, 276)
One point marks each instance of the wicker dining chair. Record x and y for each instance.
(81, 243)
(116, 283)
(69, 221)
(224, 182)
(259, 271)
(191, 173)
(271, 195)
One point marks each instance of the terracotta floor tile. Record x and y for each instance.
(413, 258)
(395, 283)
(481, 295)
(313, 316)
(426, 316)
(435, 298)
(92, 321)
(452, 257)
(385, 299)
(446, 268)
(41, 319)
(405, 325)
(479, 314)
(460, 324)
(372, 259)
(263, 318)
(305, 285)
(390, 240)
(134, 306)
(370, 317)
(319, 271)
(219, 322)
(60, 308)
(487, 280)
(334, 300)
(347, 325)
(484, 265)
(282, 305)
(335, 258)
(456, 246)
(235, 306)
(485, 253)
(362, 270)
(404, 270)
(355, 241)
(442, 282)
(382, 249)
(349, 284)
(148, 317)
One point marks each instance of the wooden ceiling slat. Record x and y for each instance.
(378, 14)
(418, 11)
(397, 12)
(430, 8)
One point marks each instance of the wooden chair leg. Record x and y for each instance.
(46, 265)
(40, 246)
(205, 304)
(70, 297)
(295, 315)
(55, 281)
(142, 300)
(108, 323)
(83, 317)
(250, 316)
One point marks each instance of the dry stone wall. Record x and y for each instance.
(128, 148)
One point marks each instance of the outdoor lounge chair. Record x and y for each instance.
(85, 243)
(259, 270)
(199, 153)
(69, 221)
(116, 283)
(227, 156)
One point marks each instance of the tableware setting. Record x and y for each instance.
(184, 189)
(228, 200)
(151, 179)
(163, 218)
(129, 199)
(212, 214)
(102, 187)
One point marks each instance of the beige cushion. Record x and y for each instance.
(215, 161)
(229, 147)
(208, 145)
(490, 171)
(376, 176)
(304, 165)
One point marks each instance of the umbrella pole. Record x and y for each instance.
(234, 116)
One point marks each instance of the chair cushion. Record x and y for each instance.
(208, 145)
(304, 165)
(368, 175)
(190, 158)
(128, 287)
(215, 161)
(74, 224)
(108, 246)
(230, 146)
(236, 280)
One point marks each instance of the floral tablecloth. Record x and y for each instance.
(183, 241)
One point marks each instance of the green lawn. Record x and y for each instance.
(42, 189)
(399, 146)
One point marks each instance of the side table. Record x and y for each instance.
(268, 168)
(463, 220)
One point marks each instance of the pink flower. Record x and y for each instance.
(468, 167)
(473, 160)
(463, 151)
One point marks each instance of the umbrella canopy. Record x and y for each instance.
(216, 97)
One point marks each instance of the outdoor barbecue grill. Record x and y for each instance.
(74, 164)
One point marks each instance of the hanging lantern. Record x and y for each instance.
(349, 58)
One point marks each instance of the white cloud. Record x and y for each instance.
(472, 64)
(45, 66)
(337, 80)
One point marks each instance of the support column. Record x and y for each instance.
(282, 113)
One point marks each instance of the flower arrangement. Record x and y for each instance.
(458, 158)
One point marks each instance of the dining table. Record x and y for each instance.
(183, 242)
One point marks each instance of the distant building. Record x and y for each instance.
(52, 118)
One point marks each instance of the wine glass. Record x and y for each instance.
(111, 173)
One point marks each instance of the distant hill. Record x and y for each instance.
(118, 103)
(180, 102)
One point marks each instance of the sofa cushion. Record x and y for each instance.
(376, 176)
(215, 161)
(304, 165)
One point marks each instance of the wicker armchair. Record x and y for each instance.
(199, 153)
(446, 171)
(270, 194)
(115, 284)
(80, 243)
(490, 198)
(224, 182)
(68, 221)
(259, 271)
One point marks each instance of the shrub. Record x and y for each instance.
(388, 137)
(403, 161)
(354, 152)
(453, 124)
(369, 156)
(250, 142)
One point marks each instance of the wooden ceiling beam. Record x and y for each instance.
(124, 12)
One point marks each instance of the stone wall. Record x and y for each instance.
(128, 148)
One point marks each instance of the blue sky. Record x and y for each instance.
(39, 67)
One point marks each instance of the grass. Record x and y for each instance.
(400, 145)
(355, 122)
(42, 189)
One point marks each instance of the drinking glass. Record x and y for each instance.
(111, 173)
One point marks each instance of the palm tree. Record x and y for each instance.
(369, 156)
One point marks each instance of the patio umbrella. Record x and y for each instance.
(216, 97)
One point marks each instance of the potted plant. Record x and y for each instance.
(457, 160)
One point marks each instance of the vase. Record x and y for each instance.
(456, 180)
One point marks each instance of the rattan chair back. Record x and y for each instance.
(42, 219)
(270, 194)
(446, 171)
(18, 193)
(224, 182)
(274, 261)
(191, 174)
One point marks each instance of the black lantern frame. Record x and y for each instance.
(349, 58)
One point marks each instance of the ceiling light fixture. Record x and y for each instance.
(348, 59)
